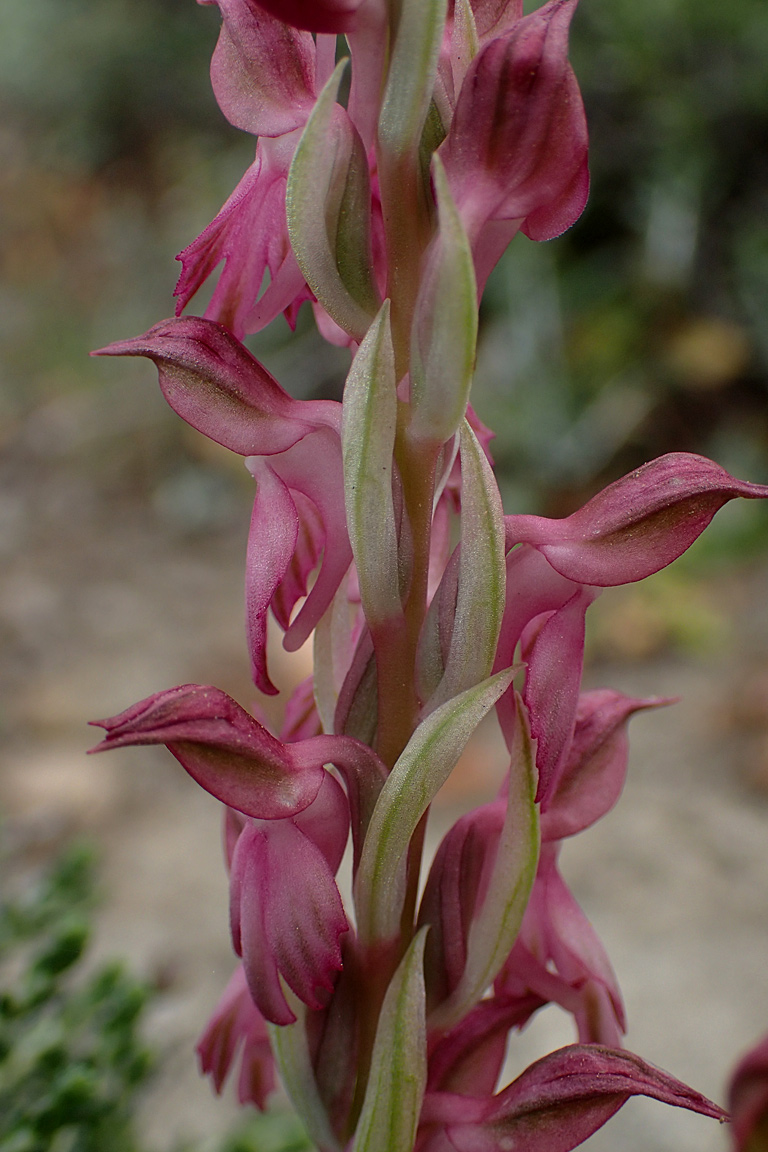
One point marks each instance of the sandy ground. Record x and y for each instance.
(103, 602)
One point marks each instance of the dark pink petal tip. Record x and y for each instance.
(314, 15)
(221, 747)
(638, 524)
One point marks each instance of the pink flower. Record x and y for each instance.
(553, 1106)
(293, 450)
(516, 150)
(236, 1022)
(250, 234)
(286, 913)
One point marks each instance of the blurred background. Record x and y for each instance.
(643, 330)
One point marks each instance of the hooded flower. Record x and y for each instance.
(237, 1028)
(293, 450)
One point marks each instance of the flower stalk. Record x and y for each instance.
(378, 526)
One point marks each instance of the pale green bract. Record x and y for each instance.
(398, 1073)
(444, 334)
(327, 204)
(426, 763)
(368, 440)
(482, 576)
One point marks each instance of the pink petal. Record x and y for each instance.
(638, 524)
(300, 719)
(313, 467)
(558, 1102)
(518, 134)
(494, 17)
(453, 891)
(469, 1058)
(214, 383)
(271, 542)
(250, 234)
(262, 71)
(287, 917)
(552, 683)
(236, 1020)
(223, 748)
(593, 775)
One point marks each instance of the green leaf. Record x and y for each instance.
(444, 335)
(426, 763)
(291, 1052)
(482, 575)
(368, 441)
(328, 208)
(495, 926)
(411, 76)
(398, 1075)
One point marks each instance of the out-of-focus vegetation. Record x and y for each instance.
(642, 330)
(72, 1061)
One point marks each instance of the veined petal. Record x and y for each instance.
(287, 917)
(313, 467)
(638, 524)
(595, 767)
(237, 1028)
(558, 1102)
(518, 136)
(262, 71)
(214, 383)
(250, 235)
(271, 544)
(223, 748)
(551, 693)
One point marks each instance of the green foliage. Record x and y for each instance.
(70, 1057)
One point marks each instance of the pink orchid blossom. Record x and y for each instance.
(237, 1028)
(286, 913)
(250, 234)
(554, 1105)
(559, 957)
(293, 451)
(378, 530)
(516, 150)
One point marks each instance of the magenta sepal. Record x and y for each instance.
(286, 915)
(313, 468)
(455, 887)
(518, 139)
(223, 748)
(558, 956)
(236, 1022)
(262, 71)
(595, 766)
(250, 234)
(638, 524)
(313, 15)
(214, 383)
(555, 658)
(470, 1057)
(554, 1105)
(748, 1100)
